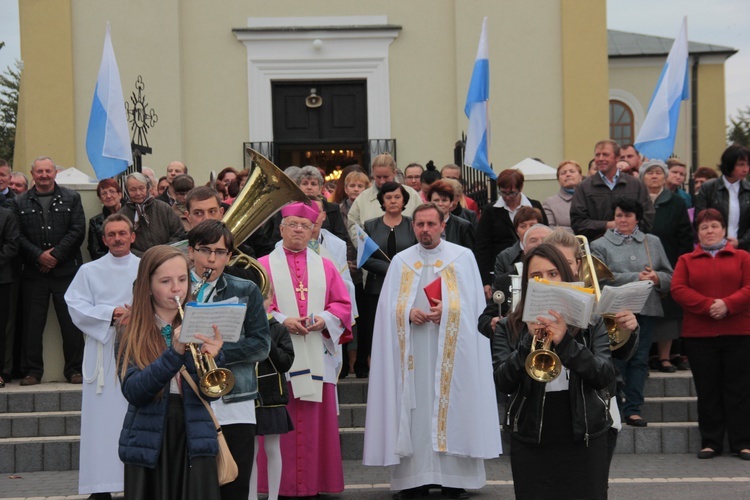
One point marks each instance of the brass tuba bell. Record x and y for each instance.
(591, 271)
(266, 191)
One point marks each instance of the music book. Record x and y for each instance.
(199, 317)
(434, 291)
(574, 302)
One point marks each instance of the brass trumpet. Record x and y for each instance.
(214, 381)
(542, 364)
(591, 271)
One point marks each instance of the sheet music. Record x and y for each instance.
(574, 305)
(227, 316)
(630, 296)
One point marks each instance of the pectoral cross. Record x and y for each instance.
(301, 290)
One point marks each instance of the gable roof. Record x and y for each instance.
(621, 44)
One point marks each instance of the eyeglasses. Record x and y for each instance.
(298, 225)
(509, 194)
(413, 177)
(206, 252)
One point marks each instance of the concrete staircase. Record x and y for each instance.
(40, 425)
(670, 409)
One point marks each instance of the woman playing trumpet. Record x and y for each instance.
(168, 441)
(562, 424)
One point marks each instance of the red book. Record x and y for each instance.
(434, 291)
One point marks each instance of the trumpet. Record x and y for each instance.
(542, 364)
(214, 381)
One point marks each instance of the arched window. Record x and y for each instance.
(621, 122)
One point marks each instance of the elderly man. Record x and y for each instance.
(52, 228)
(312, 302)
(591, 212)
(431, 406)
(6, 194)
(175, 168)
(95, 305)
(19, 183)
(367, 206)
(154, 221)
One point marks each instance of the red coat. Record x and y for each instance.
(699, 278)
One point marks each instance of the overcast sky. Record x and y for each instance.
(720, 22)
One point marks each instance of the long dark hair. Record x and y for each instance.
(550, 253)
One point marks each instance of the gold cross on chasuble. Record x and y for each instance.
(301, 290)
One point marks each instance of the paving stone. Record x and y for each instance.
(674, 439)
(73, 425)
(352, 392)
(359, 415)
(29, 457)
(625, 440)
(52, 426)
(677, 387)
(674, 411)
(647, 440)
(5, 427)
(57, 456)
(654, 387)
(75, 452)
(651, 411)
(20, 402)
(694, 439)
(25, 427)
(47, 401)
(345, 417)
(7, 452)
(693, 411)
(70, 401)
(352, 445)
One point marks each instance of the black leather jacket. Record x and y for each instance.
(587, 356)
(714, 194)
(377, 265)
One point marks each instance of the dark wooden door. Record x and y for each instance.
(340, 119)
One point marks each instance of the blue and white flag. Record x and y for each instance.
(477, 106)
(656, 137)
(107, 138)
(365, 246)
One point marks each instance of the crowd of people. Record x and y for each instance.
(420, 317)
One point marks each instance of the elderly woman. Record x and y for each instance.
(110, 194)
(525, 219)
(712, 284)
(311, 183)
(730, 195)
(672, 226)
(567, 456)
(457, 230)
(495, 230)
(155, 222)
(634, 256)
(557, 206)
(393, 233)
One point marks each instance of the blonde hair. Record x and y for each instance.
(141, 341)
(384, 160)
(564, 239)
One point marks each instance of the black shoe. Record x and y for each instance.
(456, 493)
(706, 454)
(411, 493)
(100, 496)
(636, 422)
(665, 366)
(30, 380)
(744, 455)
(681, 363)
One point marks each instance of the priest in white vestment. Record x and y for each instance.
(431, 407)
(97, 297)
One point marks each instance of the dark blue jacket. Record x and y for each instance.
(255, 339)
(143, 429)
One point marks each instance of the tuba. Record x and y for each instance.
(591, 271)
(542, 364)
(266, 191)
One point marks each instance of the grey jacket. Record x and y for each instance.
(557, 210)
(164, 225)
(626, 258)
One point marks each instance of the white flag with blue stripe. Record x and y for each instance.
(477, 149)
(107, 137)
(657, 135)
(365, 246)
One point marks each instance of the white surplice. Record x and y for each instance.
(99, 287)
(431, 406)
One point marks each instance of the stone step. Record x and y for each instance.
(679, 384)
(352, 415)
(33, 454)
(670, 409)
(40, 424)
(40, 398)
